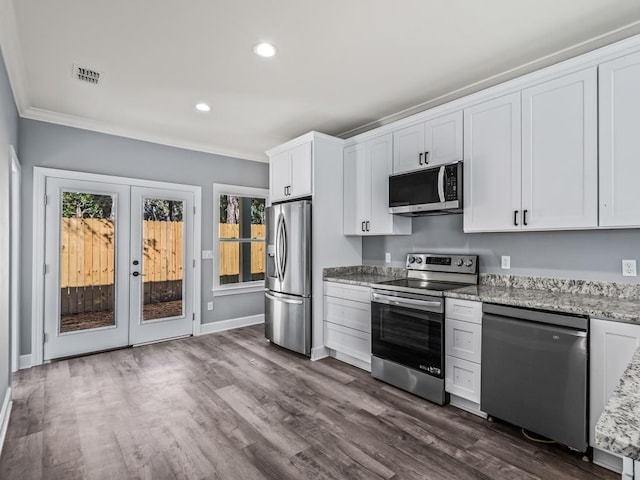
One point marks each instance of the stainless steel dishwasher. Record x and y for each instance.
(535, 371)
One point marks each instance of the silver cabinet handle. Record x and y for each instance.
(283, 300)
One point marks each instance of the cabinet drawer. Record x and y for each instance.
(462, 378)
(463, 339)
(349, 292)
(347, 340)
(466, 310)
(348, 313)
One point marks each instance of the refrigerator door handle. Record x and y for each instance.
(283, 300)
(277, 250)
(285, 248)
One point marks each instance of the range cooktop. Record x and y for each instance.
(433, 274)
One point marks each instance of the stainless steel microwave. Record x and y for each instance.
(429, 191)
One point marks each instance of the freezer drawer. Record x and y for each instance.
(287, 321)
(534, 374)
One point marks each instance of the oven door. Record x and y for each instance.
(408, 330)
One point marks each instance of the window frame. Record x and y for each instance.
(241, 191)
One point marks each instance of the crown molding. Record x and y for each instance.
(122, 131)
(613, 37)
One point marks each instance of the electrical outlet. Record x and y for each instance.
(506, 262)
(210, 306)
(387, 257)
(207, 254)
(629, 268)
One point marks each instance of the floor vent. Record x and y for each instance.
(86, 74)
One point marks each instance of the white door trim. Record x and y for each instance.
(40, 175)
(16, 214)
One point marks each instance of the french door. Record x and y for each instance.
(118, 266)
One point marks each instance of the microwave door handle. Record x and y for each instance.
(441, 178)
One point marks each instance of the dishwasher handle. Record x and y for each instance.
(553, 329)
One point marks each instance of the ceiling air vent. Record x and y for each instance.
(86, 74)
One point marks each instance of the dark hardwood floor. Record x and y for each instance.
(232, 406)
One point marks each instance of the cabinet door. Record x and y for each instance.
(612, 344)
(620, 142)
(443, 139)
(379, 165)
(354, 190)
(559, 153)
(279, 176)
(301, 171)
(408, 148)
(492, 165)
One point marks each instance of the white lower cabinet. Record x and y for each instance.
(347, 323)
(612, 344)
(462, 348)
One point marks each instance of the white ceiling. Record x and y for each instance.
(341, 64)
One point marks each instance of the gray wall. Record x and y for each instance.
(586, 255)
(8, 136)
(54, 146)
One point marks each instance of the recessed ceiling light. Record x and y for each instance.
(203, 107)
(264, 50)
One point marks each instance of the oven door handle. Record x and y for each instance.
(427, 305)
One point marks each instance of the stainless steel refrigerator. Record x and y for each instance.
(288, 283)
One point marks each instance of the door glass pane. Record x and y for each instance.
(87, 261)
(242, 233)
(163, 256)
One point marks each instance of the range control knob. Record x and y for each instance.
(468, 263)
(418, 260)
(459, 262)
(411, 259)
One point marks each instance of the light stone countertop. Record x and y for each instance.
(618, 429)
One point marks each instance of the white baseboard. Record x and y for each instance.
(213, 327)
(4, 417)
(351, 360)
(607, 460)
(466, 405)
(24, 361)
(318, 353)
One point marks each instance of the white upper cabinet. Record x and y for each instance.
(492, 165)
(560, 153)
(531, 158)
(290, 173)
(620, 142)
(366, 190)
(434, 142)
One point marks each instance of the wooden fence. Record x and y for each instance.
(88, 251)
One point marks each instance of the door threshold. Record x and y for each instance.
(161, 340)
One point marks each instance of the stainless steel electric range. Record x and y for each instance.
(407, 322)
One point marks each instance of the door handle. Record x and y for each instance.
(362, 226)
(368, 223)
(420, 158)
(138, 274)
(426, 158)
(524, 217)
(515, 217)
(285, 191)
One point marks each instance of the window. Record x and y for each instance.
(239, 238)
